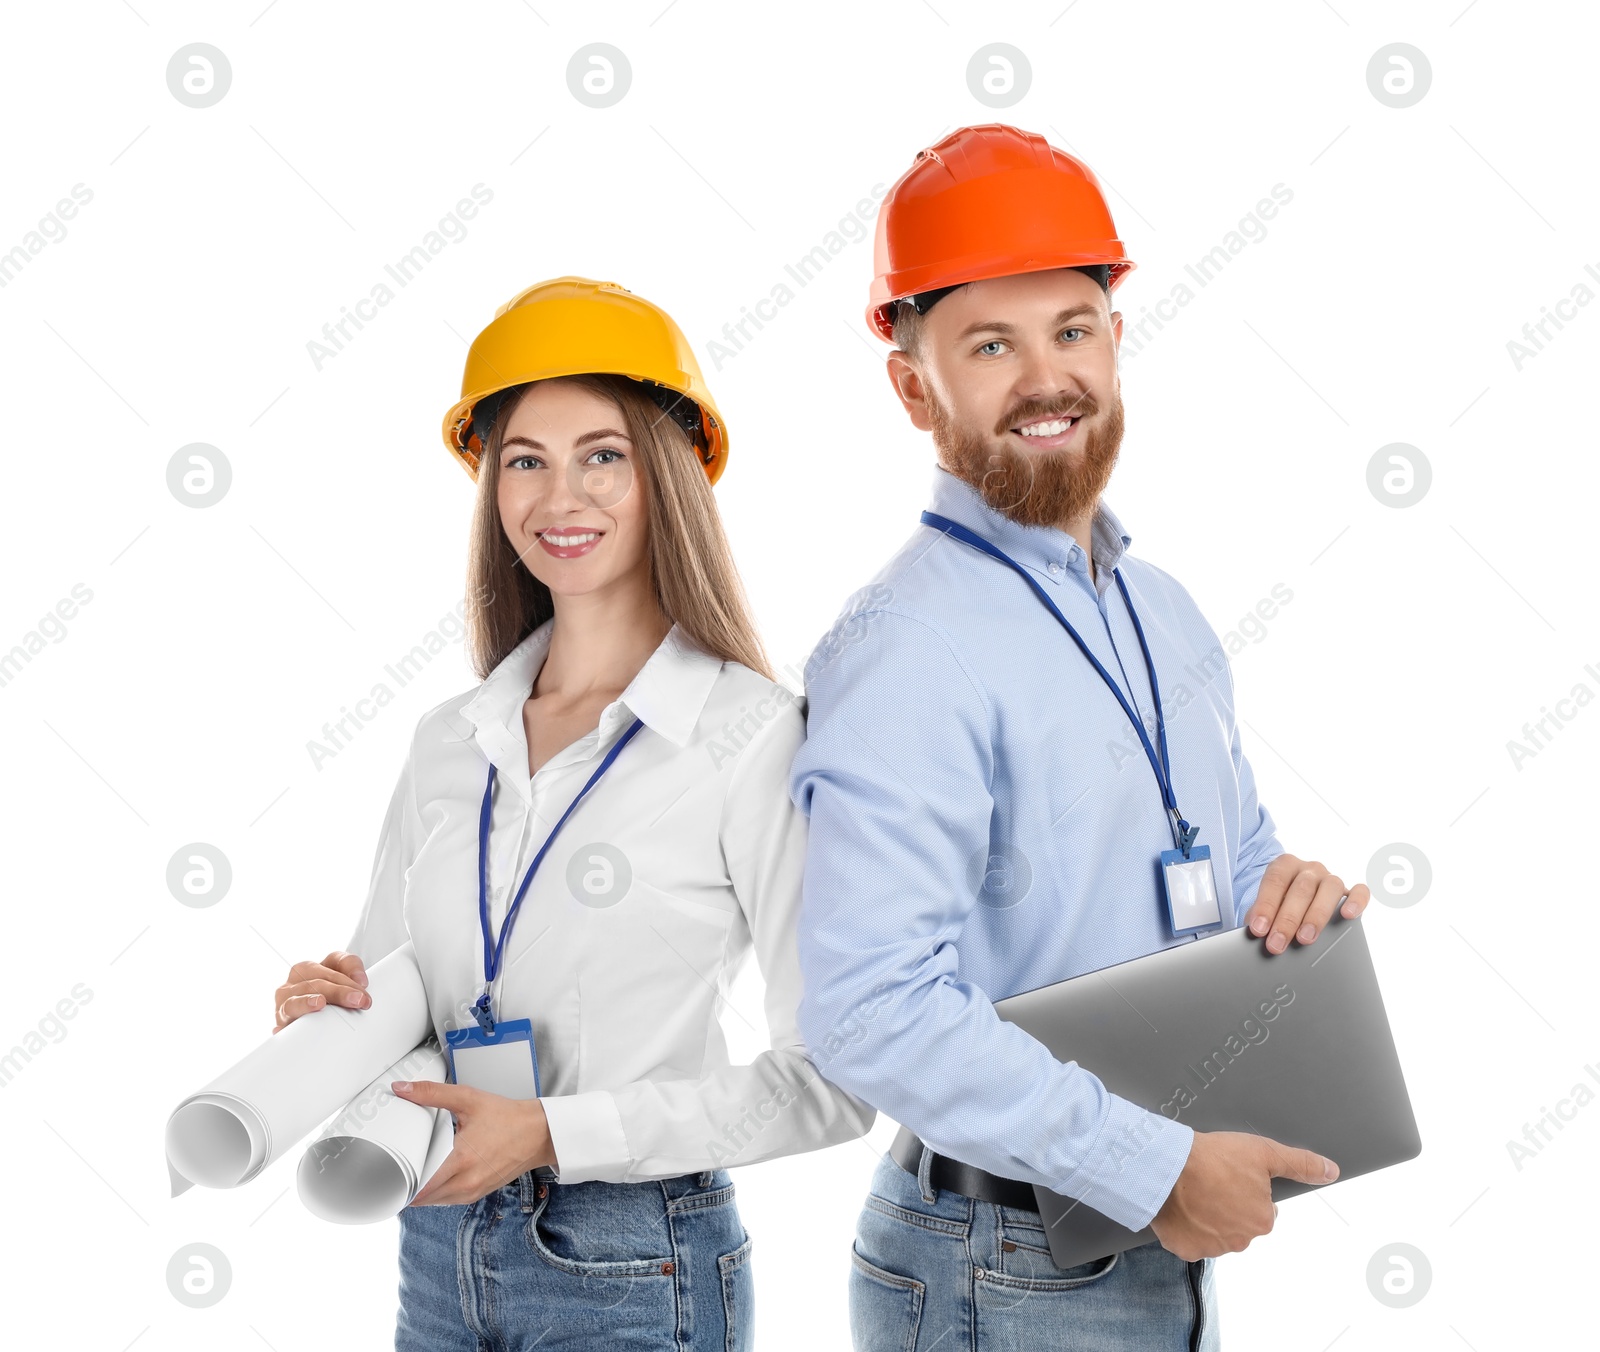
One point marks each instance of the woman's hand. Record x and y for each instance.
(496, 1140)
(339, 977)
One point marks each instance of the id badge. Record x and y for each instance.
(502, 1062)
(1191, 888)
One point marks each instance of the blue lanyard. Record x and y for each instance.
(482, 1011)
(1183, 833)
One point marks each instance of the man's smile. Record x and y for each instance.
(1048, 433)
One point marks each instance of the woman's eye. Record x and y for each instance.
(522, 462)
(992, 348)
(607, 451)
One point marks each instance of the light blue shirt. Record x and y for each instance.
(984, 821)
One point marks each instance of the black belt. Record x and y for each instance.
(948, 1175)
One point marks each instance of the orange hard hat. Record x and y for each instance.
(988, 201)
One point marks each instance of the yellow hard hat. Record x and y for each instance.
(574, 326)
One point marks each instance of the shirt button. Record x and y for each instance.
(1055, 570)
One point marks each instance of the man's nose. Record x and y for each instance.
(1044, 377)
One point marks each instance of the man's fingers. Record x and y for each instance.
(1304, 1166)
(1269, 893)
(1302, 888)
(1297, 899)
(1321, 910)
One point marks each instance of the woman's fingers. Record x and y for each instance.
(294, 1006)
(344, 968)
(336, 992)
(312, 985)
(347, 963)
(441, 1189)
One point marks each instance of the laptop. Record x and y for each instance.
(1223, 1036)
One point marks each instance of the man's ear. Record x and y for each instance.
(908, 388)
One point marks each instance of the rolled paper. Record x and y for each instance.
(264, 1106)
(369, 1162)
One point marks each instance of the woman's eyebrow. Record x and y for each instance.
(599, 434)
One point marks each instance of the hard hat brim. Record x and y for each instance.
(880, 308)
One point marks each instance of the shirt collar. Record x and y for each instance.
(1046, 550)
(667, 694)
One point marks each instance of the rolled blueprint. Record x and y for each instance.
(369, 1162)
(256, 1112)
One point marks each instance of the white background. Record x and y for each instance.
(177, 705)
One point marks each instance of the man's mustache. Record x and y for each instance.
(1035, 410)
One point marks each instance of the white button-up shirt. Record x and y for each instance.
(685, 855)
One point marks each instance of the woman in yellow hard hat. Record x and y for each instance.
(583, 850)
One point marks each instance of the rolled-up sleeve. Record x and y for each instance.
(896, 775)
(777, 1104)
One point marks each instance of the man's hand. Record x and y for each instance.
(1223, 1198)
(496, 1140)
(1297, 899)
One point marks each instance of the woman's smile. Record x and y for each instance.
(567, 542)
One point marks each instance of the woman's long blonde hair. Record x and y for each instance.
(691, 566)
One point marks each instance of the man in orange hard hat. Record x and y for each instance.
(993, 809)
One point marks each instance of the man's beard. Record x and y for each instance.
(1034, 488)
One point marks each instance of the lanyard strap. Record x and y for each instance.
(492, 955)
(1183, 833)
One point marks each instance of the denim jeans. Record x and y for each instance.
(962, 1275)
(584, 1265)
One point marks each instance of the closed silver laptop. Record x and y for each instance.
(1223, 1036)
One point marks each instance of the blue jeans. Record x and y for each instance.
(962, 1275)
(584, 1265)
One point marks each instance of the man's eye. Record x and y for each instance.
(992, 348)
(1065, 332)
